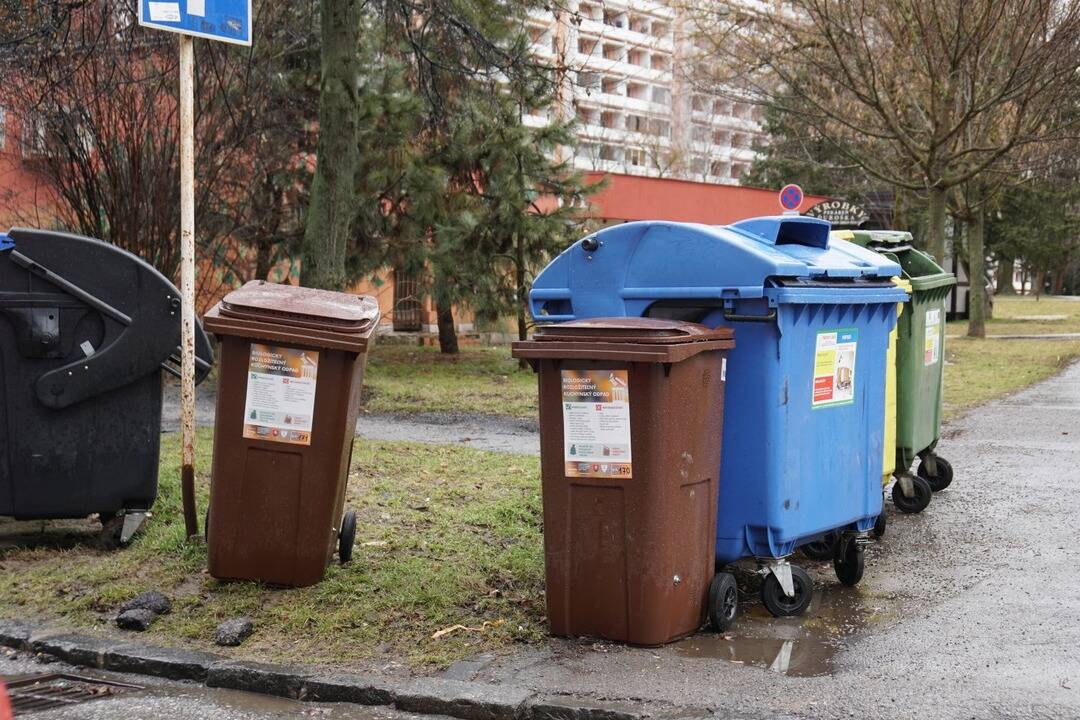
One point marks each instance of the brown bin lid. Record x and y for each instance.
(624, 338)
(301, 306)
(631, 330)
(297, 315)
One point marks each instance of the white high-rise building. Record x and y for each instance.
(626, 84)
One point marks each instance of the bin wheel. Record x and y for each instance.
(723, 601)
(944, 476)
(779, 604)
(347, 537)
(822, 549)
(849, 562)
(917, 502)
(880, 524)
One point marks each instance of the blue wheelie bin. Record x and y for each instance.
(802, 441)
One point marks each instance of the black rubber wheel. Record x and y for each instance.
(848, 562)
(723, 601)
(779, 604)
(918, 501)
(347, 537)
(880, 524)
(822, 549)
(944, 476)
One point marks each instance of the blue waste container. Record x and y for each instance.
(802, 443)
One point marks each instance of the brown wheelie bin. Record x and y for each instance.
(631, 412)
(292, 363)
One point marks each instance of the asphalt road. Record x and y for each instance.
(968, 610)
(483, 432)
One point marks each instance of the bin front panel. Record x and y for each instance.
(275, 506)
(791, 469)
(630, 559)
(920, 371)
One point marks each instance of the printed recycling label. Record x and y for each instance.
(596, 423)
(932, 346)
(834, 367)
(280, 403)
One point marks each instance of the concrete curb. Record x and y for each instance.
(461, 699)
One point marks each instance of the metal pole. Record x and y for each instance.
(187, 281)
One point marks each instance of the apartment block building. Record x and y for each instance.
(628, 86)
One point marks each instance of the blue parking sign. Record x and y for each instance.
(224, 20)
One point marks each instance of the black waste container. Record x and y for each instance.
(86, 330)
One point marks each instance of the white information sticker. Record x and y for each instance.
(280, 403)
(164, 11)
(596, 423)
(834, 367)
(932, 346)
(196, 7)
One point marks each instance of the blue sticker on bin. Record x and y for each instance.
(6, 243)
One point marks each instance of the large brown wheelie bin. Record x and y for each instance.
(631, 411)
(292, 363)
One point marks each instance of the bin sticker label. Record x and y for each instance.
(932, 347)
(280, 402)
(596, 423)
(834, 367)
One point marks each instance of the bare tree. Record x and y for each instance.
(925, 95)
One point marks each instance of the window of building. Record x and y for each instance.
(609, 118)
(737, 169)
(586, 46)
(697, 103)
(590, 11)
(610, 86)
(722, 107)
(661, 62)
(719, 168)
(613, 52)
(636, 123)
(635, 156)
(588, 116)
(661, 30)
(639, 91)
(609, 152)
(661, 95)
(638, 57)
(614, 18)
(639, 24)
(660, 127)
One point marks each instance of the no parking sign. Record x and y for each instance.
(791, 197)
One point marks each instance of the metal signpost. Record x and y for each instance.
(228, 21)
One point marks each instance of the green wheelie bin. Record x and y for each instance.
(919, 362)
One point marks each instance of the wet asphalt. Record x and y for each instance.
(158, 699)
(970, 609)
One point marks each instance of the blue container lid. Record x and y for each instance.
(653, 259)
(6, 243)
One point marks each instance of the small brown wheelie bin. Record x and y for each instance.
(631, 411)
(292, 363)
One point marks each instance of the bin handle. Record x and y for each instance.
(71, 288)
(732, 316)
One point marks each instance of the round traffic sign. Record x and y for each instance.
(791, 197)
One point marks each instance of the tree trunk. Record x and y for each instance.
(935, 229)
(329, 220)
(1057, 284)
(976, 275)
(444, 313)
(1005, 269)
(522, 295)
(1040, 283)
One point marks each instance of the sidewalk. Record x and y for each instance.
(971, 609)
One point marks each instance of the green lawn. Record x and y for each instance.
(412, 379)
(980, 370)
(1024, 315)
(446, 536)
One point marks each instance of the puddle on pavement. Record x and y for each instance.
(804, 646)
